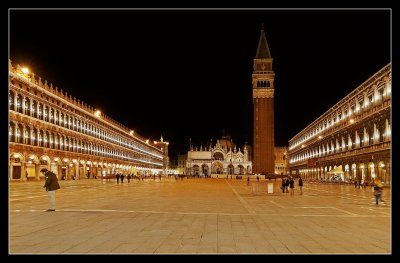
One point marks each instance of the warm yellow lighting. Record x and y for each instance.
(320, 137)
(147, 141)
(167, 143)
(25, 70)
(132, 132)
(351, 120)
(97, 113)
(302, 146)
(155, 142)
(56, 159)
(382, 165)
(16, 155)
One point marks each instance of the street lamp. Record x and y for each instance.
(97, 113)
(25, 70)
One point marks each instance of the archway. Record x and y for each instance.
(204, 169)
(231, 169)
(218, 156)
(16, 167)
(217, 168)
(241, 169)
(196, 170)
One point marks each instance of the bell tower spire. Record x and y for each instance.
(263, 108)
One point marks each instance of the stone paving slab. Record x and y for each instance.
(197, 216)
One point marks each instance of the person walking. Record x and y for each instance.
(291, 185)
(51, 185)
(301, 185)
(117, 176)
(378, 191)
(283, 184)
(287, 185)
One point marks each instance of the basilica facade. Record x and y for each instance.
(222, 158)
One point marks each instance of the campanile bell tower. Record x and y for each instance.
(263, 108)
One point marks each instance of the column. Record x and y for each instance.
(387, 166)
(59, 170)
(11, 171)
(37, 171)
(23, 171)
(76, 168)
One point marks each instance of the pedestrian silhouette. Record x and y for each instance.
(51, 185)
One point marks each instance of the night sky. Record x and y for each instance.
(187, 74)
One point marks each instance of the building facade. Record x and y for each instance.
(263, 108)
(223, 158)
(352, 140)
(181, 166)
(48, 128)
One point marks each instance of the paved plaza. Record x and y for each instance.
(196, 216)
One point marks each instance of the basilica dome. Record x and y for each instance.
(227, 143)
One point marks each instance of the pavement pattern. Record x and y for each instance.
(197, 216)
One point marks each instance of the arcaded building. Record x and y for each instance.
(263, 109)
(49, 128)
(352, 140)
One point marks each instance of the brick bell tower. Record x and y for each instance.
(263, 109)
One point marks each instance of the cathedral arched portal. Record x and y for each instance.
(205, 170)
(217, 168)
(196, 170)
(218, 156)
(231, 169)
(241, 169)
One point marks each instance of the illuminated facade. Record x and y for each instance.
(263, 108)
(223, 158)
(50, 129)
(352, 139)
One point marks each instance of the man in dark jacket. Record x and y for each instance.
(51, 186)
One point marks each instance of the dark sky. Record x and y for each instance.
(187, 74)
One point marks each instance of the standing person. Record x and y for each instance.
(129, 178)
(122, 178)
(287, 185)
(117, 175)
(291, 185)
(51, 185)
(248, 180)
(378, 191)
(355, 183)
(283, 184)
(301, 185)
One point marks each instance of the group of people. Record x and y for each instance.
(288, 182)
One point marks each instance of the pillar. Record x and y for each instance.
(11, 171)
(23, 171)
(37, 171)
(76, 169)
